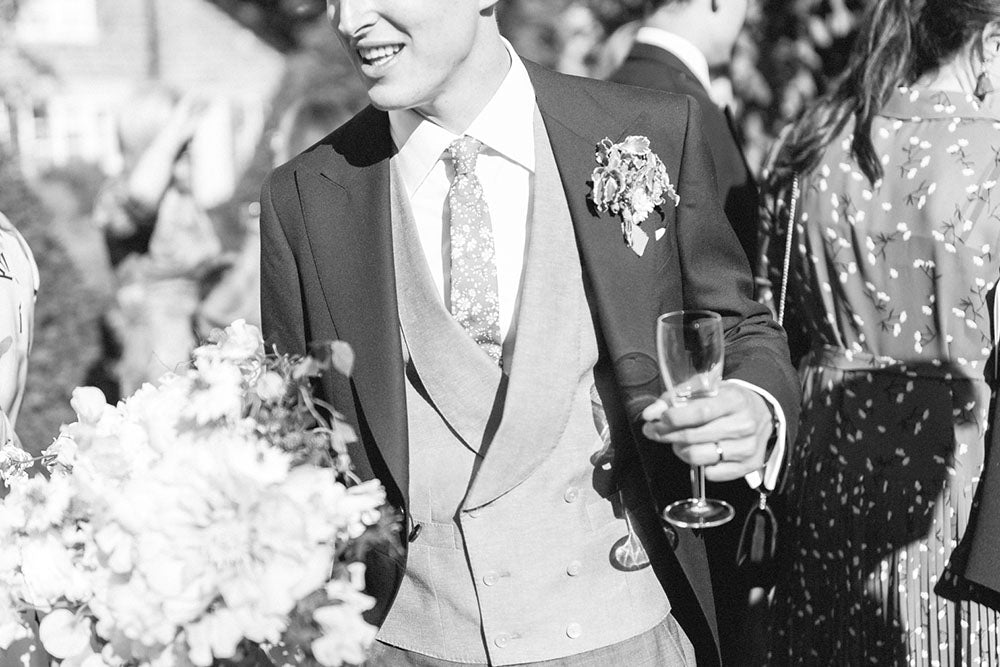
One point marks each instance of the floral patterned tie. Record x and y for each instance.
(474, 299)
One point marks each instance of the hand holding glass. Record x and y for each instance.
(690, 346)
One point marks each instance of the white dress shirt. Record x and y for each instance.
(686, 52)
(506, 168)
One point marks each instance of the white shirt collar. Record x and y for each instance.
(505, 126)
(688, 53)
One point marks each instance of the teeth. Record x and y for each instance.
(378, 54)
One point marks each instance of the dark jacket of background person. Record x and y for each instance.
(893, 259)
(973, 573)
(649, 66)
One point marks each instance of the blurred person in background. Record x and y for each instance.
(893, 250)
(611, 53)
(237, 294)
(162, 241)
(18, 287)
(676, 47)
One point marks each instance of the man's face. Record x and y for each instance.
(409, 53)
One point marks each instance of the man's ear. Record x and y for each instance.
(989, 41)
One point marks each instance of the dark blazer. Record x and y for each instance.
(327, 273)
(972, 572)
(652, 67)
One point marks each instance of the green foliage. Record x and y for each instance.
(788, 54)
(83, 179)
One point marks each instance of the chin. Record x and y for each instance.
(391, 98)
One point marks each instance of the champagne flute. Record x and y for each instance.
(690, 348)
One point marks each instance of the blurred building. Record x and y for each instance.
(92, 55)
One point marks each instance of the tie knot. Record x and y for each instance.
(464, 152)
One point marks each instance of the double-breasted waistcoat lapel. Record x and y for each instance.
(546, 361)
(346, 208)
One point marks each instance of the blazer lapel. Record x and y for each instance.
(619, 283)
(354, 262)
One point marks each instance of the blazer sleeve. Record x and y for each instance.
(715, 276)
(282, 314)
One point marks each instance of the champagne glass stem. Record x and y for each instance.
(698, 483)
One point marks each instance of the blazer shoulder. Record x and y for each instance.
(619, 97)
(627, 97)
(361, 141)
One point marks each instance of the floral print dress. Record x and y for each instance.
(889, 299)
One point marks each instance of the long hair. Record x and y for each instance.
(899, 41)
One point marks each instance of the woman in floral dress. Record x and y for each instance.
(894, 253)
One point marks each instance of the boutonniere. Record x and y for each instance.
(630, 181)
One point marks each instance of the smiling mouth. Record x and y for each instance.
(377, 56)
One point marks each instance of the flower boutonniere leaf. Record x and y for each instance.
(630, 180)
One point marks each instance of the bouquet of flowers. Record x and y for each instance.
(207, 516)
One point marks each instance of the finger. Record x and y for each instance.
(728, 471)
(699, 411)
(707, 454)
(729, 427)
(662, 418)
(654, 411)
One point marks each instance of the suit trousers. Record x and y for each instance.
(665, 645)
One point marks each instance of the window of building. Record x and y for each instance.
(70, 22)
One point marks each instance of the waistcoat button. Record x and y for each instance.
(572, 493)
(574, 568)
(491, 578)
(573, 630)
(501, 640)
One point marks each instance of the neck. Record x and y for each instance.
(956, 75)
(682, 20)
(473, 87)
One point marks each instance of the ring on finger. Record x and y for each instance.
(718, 450)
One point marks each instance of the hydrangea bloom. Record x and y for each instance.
(630, 180)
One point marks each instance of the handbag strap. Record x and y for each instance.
(787, 263)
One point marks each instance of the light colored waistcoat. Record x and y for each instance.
(517, 514)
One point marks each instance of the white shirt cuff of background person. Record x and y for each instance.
(768, 476)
